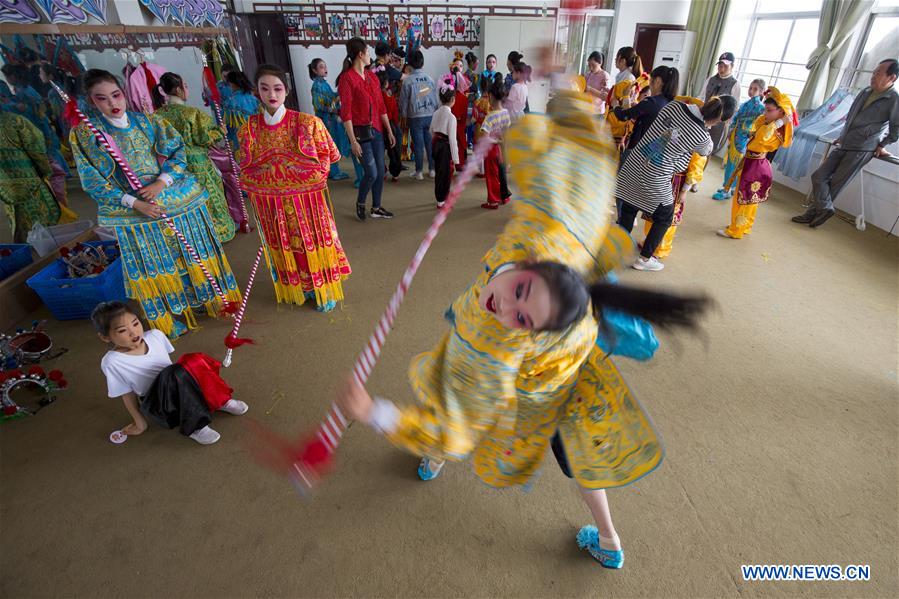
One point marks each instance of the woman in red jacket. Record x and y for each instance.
(364, 117)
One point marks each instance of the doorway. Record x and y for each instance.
(645, 40)
(269, 43)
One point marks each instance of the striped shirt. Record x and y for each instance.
(644, 180)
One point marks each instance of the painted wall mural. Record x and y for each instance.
(69, 12)
(192, 13)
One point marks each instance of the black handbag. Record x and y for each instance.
(363, 133)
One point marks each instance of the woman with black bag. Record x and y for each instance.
(364, 117)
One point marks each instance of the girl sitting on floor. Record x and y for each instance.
(139, 370)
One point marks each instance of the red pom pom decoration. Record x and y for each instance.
(316, 456)
(70, 114)
(9, 410)
(55, 375)
(230, 308)
(36, 370)
(62, 383)
(64, 252)
(232, 341)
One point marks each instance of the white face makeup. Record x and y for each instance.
(272, 92)
(519, 299)
(109, 99)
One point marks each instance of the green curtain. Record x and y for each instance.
(706, 20)
(839, 18)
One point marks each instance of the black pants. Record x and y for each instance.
(661, 220)
(559, 453)
(394, 154)
(176, 401)
(443, 165)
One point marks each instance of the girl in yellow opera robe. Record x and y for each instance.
(519, 370)
(772, 130)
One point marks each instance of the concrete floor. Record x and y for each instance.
(780, 427)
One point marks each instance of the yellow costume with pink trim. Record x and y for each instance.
(754, 173)
(502, 393)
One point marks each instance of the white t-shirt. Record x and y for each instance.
(130, 372)
(444, 122)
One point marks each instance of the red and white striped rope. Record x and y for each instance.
(335, 423)
(238, 318)
(136, 184)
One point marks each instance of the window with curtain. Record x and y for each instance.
(780, 36)
(878, 42)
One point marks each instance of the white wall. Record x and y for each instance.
(631, 12)
(881, 179)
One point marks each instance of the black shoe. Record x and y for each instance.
(360, 212)
(804, 219)
(379, 212)
(821, 218)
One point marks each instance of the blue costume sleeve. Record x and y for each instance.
(169, 144)
(626, 335)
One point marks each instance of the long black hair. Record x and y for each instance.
(631, 59)
(354, 46)
(313, 66)
(168, 83)
(239, 79)
(572, 296)
(670, 79)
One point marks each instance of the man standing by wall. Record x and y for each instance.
(724, 83)
(861, 140)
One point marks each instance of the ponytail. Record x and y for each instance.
(665, 310)
(572, 296)
(631, 59)
(637, 69)
(168, 84)
(354, 46)
(312, 66)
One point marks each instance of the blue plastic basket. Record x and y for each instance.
(71, 299)
(16, 261)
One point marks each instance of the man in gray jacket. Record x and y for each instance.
(861, 140)
(723, 83)
(418, 102)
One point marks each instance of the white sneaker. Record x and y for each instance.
(652, 264)
(235, 406)
(723, 233)
(441, 204)
(432, 173)
(205, 436)
(416, 175)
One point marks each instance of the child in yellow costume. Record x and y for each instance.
(519, 369)
(625, 94)
(772, 130)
